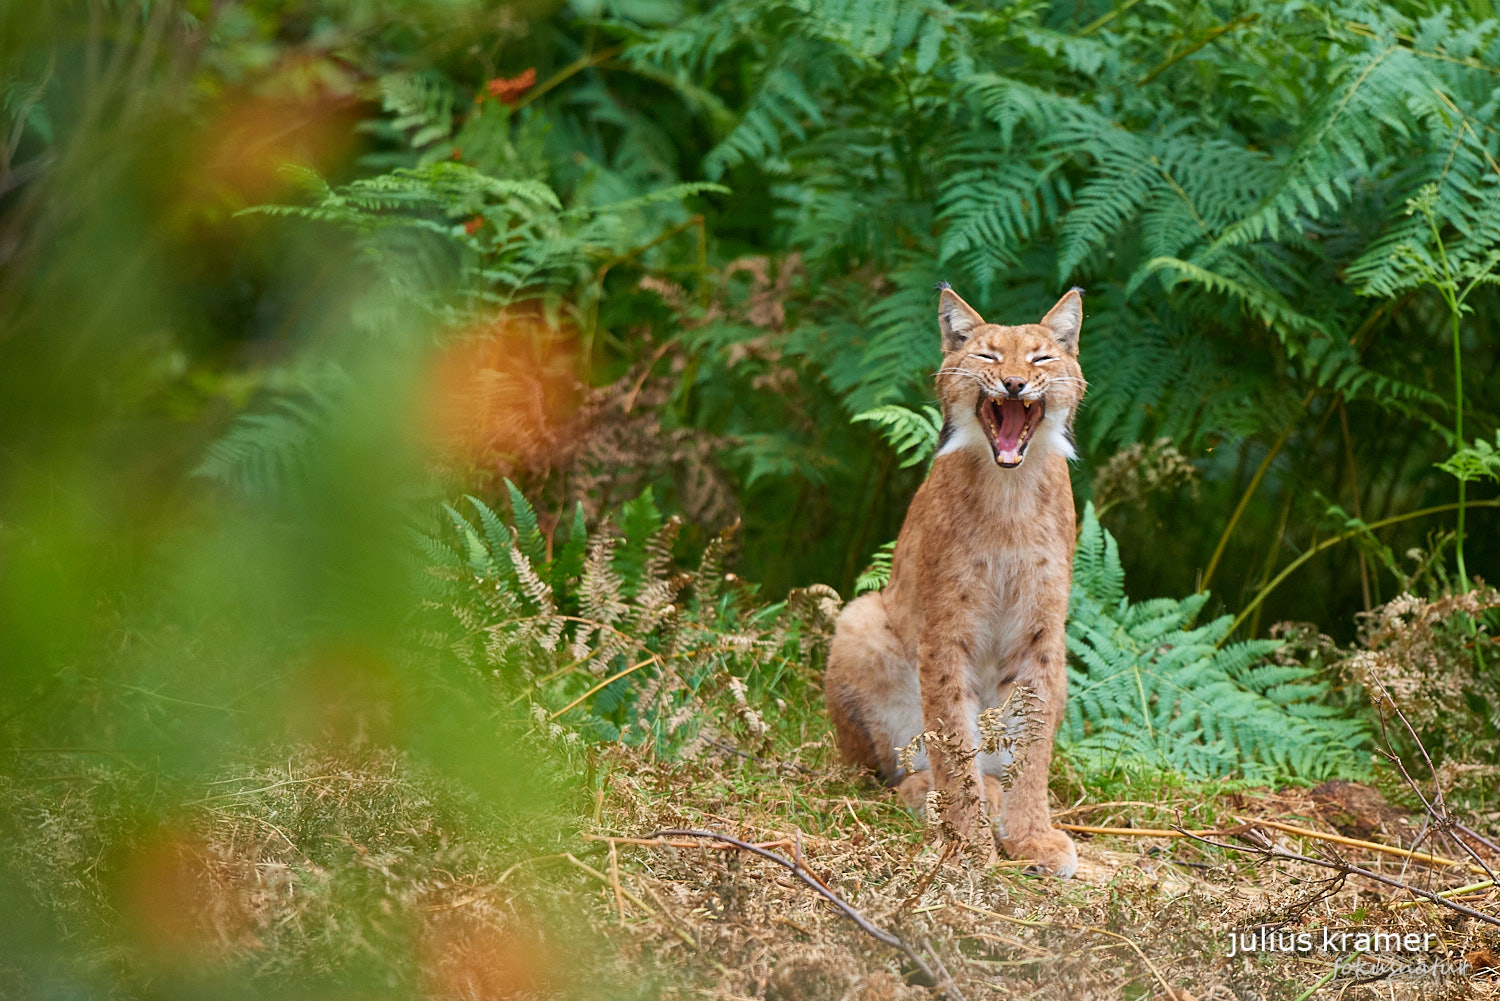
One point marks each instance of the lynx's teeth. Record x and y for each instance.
(1026, 404)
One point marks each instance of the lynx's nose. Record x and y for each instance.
(1013, 386)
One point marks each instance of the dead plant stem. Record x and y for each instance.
(948, 986)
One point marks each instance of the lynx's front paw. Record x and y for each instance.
(1052, 851)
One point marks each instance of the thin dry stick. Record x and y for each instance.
(1457, 891)
(1006, 940)
(926, 881)
(1370, 845)
(637, 901)
(1268, 850)
(663, 843)
(1139, 832)
(1149, 832)
(665, 910)
(614, 881)
(937, 961)
(950, 988)
(1171, 994)
(1023, 922)
(653, 659)
(1477, 837)
(797, 856)
(1436, 809)
(1088, 928)
(1095, 807)
(540, 858)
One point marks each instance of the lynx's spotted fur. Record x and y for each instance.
(978, 592)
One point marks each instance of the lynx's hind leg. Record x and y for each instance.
(872, 691)
(913, 790)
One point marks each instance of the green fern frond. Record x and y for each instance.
(1257, 298)
(528, 532)
(1150, 688)
(264, 453)
(878, 574)
(913, 434)
(421, 105)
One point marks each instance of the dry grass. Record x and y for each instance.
(1142, 916)
(376, 873)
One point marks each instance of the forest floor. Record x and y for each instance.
(1143, 917)
(331, 865)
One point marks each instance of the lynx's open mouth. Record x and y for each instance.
(1009, 424)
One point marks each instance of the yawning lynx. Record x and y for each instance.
(978, 592)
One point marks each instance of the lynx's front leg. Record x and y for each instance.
(950, 709)
(1024, 820)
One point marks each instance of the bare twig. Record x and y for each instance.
(1436, 808)
(637, 901)
(1457, 891)
(1369, 845)
(1023, 922)
(664, 843)
(1138, 832)
(1149, 832)
(937, 961)
(1267, 850)
(614, 881)
(926, 881)
(1095, 807)
(811, 881)
(1465, 830)
(1171, 992)
(653, 659)
(797, 856)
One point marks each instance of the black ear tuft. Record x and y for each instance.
(1077, 289)
(944, 287)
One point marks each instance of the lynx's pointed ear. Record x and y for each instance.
(956, 318)
(1066, 319)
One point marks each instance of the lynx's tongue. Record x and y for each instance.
(1010, 425)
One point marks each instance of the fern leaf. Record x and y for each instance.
(528, 533)
(912, 434)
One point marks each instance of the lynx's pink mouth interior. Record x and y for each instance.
(1009, 424)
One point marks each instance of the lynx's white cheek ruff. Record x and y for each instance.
(1045, 432)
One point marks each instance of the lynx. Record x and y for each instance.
(978, 592)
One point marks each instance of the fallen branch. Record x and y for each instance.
(1457, 891)
(1462, 828)
(1374, 846)
(1139, 832)
(1023, 922)
(664, 843)
(628, 895)
(1437, 809)
(1093, 807)
(812, 882)
(1370, 845)
(1172, 993)
(1268, 850)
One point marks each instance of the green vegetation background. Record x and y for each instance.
(652, 281)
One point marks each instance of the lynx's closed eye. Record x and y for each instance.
(985, 357)
(1043, 359)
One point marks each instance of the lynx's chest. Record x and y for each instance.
(999, 569)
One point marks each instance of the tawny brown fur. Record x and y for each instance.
(978, 592)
